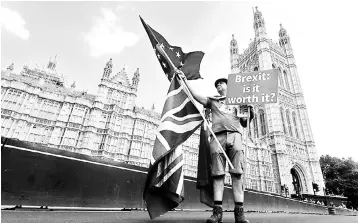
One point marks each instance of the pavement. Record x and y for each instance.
(55, 216)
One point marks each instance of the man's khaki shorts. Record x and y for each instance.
(231, 142)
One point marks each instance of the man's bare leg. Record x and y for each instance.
(237, 188)
(218, 187)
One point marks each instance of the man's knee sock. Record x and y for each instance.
(218, 203)
(239, 203)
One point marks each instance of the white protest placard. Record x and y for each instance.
(258, 87)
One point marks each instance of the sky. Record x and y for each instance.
(85, 35)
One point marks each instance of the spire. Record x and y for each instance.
(52, 63)
(234, 54)
(153, 108)
(259, 24)
(233, 46)
(284, 41)
(107, 69)
(73, 85)
(135, 79)
(109, 63)
(11, 67)
(55, 62)
(284, 38)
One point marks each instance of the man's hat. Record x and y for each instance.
(220, 80)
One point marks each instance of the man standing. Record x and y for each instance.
(227, 123)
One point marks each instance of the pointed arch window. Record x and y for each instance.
(262, 122)
(250, 129)
(283, 121)
(256, 132)
(286, 80)
(256, 69)
(295, 124)
(280, 78)
(289, 122)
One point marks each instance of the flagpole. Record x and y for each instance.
(247, 144)
(191, 98)
(247, 131)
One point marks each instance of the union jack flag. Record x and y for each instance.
(164, 186)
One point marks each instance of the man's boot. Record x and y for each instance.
(217, 216)
(239, 214)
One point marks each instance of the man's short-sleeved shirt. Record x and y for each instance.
(224, 117)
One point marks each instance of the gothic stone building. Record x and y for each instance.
(284, 126)
(37, 107)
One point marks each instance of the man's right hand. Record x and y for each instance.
(180, 74)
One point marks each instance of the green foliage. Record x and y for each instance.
(341, 176)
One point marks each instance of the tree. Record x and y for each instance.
(341, 176)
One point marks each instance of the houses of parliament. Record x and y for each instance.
(36, 106)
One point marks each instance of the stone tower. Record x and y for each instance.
(11, 67)
(135, 79)
(52, 63)
(107, 70)
(234, 54)
(285, 125)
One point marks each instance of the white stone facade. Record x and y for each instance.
(36, 107)
(284, 126)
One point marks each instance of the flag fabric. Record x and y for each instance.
(204, 181)
(164, 188)
(189, 63)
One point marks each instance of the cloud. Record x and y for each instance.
(125, 7)
(107, 36)
(14, 23)
(221, 40)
